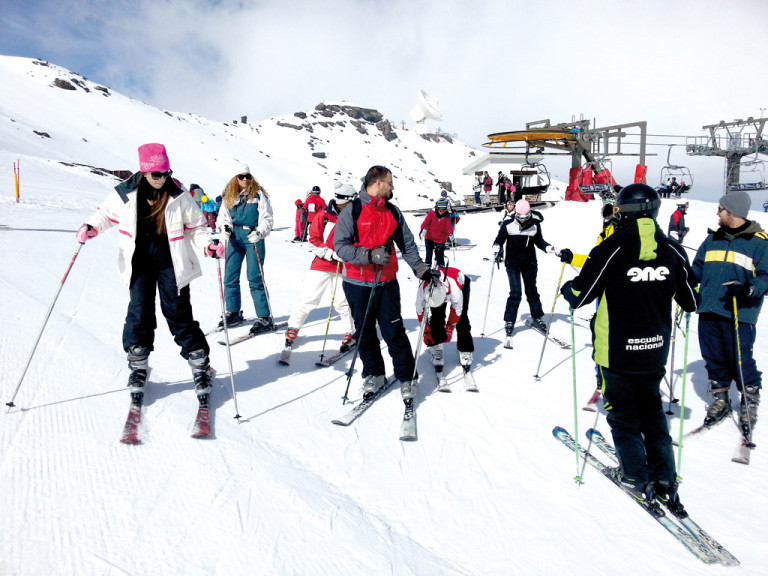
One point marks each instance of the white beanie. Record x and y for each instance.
(242, 168)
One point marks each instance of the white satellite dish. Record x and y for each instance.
(427, 108)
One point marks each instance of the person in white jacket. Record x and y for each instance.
(161, 230)
(246, 218)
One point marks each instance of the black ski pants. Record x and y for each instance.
(639, 426)
(384, 311)
(140, 321)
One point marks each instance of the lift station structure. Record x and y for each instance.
(741, 143)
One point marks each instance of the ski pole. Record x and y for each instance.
(376, 279)
(671, 383)
(748, 436)
(551, 315)
(330, 310)
(488, 300)
(45, 321)
(226, 331)
(578, 477)
(422, 328)
(682, 397)
(263, 280)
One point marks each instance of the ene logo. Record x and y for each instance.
(648, 274)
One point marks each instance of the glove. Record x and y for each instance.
(449, 332)
(451, 239)
(421, 233)
(226, 231)
(254, 236)
(86, 232)
(566, 256)
(215, 250)
(551, 249)
(739, 291)
(428, 339)
(333, 256)
(430, 275)
(499, 256)
(378, 256)
(565, 289)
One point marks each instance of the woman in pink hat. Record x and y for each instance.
(161, 232)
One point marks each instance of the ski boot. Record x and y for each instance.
(465, 359)
(436, 354)
(408, 391)
(262, 325)
(539, 325)
(372, 384)
(233, 319)
(290, 336)
(138, 362)
(347, 343)
(201, 373)
(508, 328)
(666, 492)
(721, 406)
(645, 494)
(750, 400)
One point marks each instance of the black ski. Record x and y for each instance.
(221, 328)
(353, 414)
(701, 551)
(408, 426)
(332, 359)
(564, 345)
(685, 519)
(244, 337)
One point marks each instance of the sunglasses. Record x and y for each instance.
(720, 209)
(159, 175)
(244, 176)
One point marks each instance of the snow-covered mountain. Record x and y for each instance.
(485, 490)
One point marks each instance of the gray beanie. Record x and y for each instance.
(737, 203)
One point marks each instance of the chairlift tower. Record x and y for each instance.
(734, 141)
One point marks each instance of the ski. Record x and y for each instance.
(132, 422)
(408, 427)
(564, 345)
(285, 356)
(591, 405)
(442, 381)
(244, 337)
(508, 343)
(469, 380)
(202, 426)
(701, 551)
(221, 328)
(744, 449)
(698, 431)
(332, 359)
(359, 408)
(687, 522)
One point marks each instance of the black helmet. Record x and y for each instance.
(636, 201)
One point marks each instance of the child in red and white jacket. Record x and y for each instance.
(448, 302)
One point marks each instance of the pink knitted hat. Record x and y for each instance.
(153, 158)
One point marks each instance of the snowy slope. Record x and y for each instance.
(485, 490)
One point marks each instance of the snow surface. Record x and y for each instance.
(485, 490)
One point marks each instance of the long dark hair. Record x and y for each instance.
(159, 201)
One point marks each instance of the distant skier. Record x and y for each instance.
(301, 218)
(435, 229)
(636, 272)
(487, 187)
(677, 223)
(448, 301)
(313, 205)
(161, 231)
(210, 209)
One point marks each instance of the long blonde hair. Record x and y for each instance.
(231, 194)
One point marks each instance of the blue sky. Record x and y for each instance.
(493, 65)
